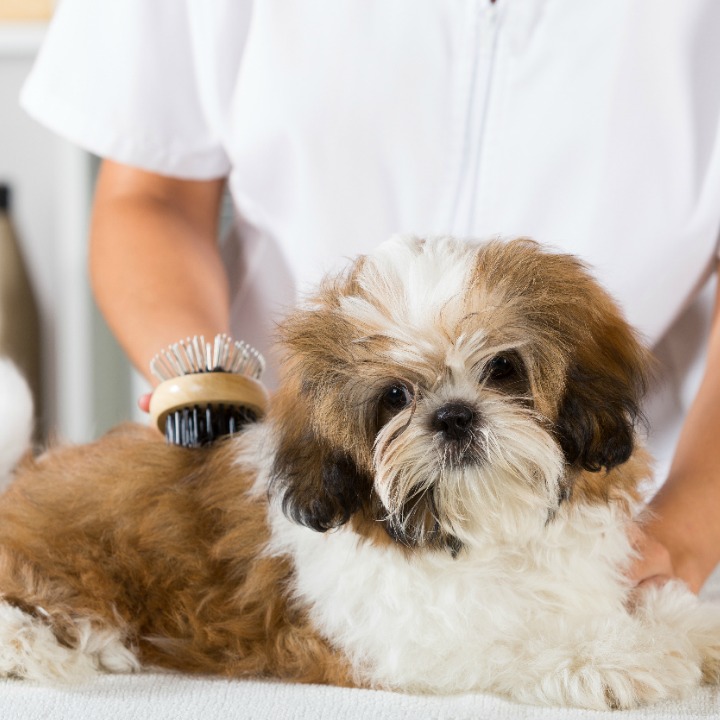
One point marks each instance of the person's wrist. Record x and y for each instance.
(683, 518)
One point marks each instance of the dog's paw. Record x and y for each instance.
(675, 607)
(30, 649)
(711, 666)
(106, 648)
(620, 683)
(706, 637)
(619, 661)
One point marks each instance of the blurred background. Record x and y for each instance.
(85, 383)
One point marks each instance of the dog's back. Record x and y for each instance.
(131, 552)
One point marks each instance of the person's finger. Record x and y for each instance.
(144, 402)
(653, 564)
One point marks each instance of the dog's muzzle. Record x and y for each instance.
(456, 421)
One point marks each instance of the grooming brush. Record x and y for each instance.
(207, 390)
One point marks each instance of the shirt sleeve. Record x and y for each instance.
(121, 79)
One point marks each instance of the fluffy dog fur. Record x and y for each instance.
(438, 502)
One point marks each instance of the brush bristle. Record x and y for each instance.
(195, 355)
(202, 425)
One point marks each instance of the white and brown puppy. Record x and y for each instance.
(438, 502)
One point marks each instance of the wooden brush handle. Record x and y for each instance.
(211, 388)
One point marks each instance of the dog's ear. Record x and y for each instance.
(318, 488)
(596, 423)
(322, 426)
(600, 407)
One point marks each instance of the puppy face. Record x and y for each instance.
(444, 390)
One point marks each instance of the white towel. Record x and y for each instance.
(156, 696)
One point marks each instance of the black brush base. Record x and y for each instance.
(199, 426)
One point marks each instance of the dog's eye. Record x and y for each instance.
(501, 367)
(506, 373)
(396, 397)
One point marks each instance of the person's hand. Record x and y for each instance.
(653, 566)
(144, 402)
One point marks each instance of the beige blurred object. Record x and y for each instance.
(211, 389)
(24, 10)
(19, 317)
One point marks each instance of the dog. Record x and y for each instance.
(438, 501)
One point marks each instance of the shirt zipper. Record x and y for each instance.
(483, 48)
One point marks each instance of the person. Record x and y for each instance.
(592, 127)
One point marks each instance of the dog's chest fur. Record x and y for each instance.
(431, 622)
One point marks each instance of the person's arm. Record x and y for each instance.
(683, 540)
(155, 266)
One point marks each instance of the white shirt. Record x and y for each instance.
(593, 127)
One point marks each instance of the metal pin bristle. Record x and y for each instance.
(195, 355)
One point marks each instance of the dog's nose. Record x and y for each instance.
(454, 420)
